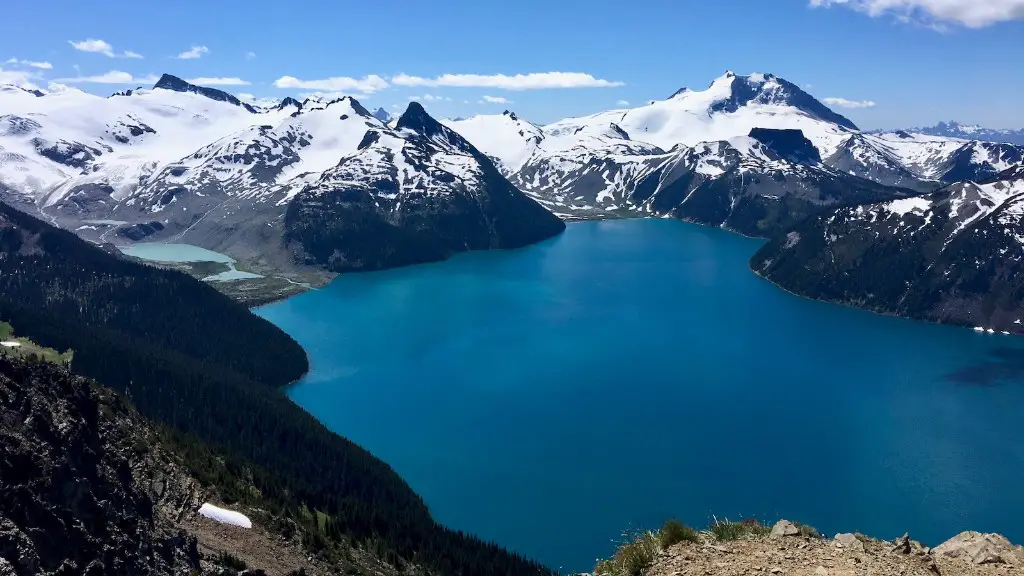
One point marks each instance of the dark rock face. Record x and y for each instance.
(169, 82)
(953, 256)
(788, 145)
(289, 101)
(141, 231)
(73, 154)
(68, 501)
(978, 162)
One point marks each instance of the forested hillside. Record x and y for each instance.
(193, 359)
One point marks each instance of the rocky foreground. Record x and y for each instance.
(786, 551)
(88, 488)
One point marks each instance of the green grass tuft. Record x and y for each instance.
(743, 530)
(808, 530)
(674, 532)
(634, 556)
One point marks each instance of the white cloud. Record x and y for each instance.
(496, 100)
(970, 13)
(232, 81)
(30, 64)
(193, 53)
(112, 77)
(93, 45)
(257, 101)
(250, 55)
(622, 102)
(328, 96)
(20, 78)
(430, 98)
(101, 47)
(366, 84)
(534, 81)
(844, 103)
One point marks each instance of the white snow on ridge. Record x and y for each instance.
(225, 516)
(905, 205)
(503, 136)
(182, 121)
(686, 119)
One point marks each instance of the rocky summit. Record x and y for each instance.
(789, 551)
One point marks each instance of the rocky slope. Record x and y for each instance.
(189, 164)
(786, 552)
(952, 256)
(88, 487)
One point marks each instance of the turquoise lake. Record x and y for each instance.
(628, 372)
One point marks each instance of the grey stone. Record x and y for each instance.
(850, 542)
(784, 528)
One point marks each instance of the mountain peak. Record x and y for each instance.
(416, 119)
(767, 89)
(289, 101)
(382, 115)
(171, 82)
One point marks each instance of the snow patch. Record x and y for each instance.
(225, 516)
(905, 205)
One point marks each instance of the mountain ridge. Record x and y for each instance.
(184, 163)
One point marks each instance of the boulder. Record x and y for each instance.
(978, 548)
(850, 542)
(784, 528)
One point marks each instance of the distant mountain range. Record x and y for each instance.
(326, 185)
(973, 132)
(185, 163)
(721, 156)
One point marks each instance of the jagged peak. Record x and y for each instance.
(416, 119)
(682, 91)
(172, 82)
(289, 101)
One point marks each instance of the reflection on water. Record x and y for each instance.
(1005, 365)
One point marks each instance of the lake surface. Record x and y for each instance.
(632, 371)
(167, 252)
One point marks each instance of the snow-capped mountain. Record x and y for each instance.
(615, 162)
(192, 164)
(956, 255)
(382, 115)
(955, 129)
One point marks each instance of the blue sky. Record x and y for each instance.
(916, 61)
